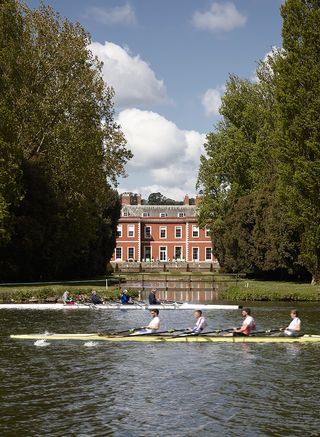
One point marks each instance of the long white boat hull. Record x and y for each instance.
(168, 339)
(61, 306)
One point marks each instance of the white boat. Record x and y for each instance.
(115, 306)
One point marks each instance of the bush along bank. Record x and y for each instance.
(54, 294)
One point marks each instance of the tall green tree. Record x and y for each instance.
(10, 159)
(70, 150)
(297, 80)
(238, 175)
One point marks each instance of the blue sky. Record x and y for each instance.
(168, 61)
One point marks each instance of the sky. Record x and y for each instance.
(168, 62)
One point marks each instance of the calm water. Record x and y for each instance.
(109, 389)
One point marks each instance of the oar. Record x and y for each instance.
(215, 331)
(169, 331)
(120, 332)
(267, 331)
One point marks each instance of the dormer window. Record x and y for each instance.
(145, 214)
(181, 214)
(125, 214)
(163, 214)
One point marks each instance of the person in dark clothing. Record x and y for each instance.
(152, 298)
(124, 298)
(95, 299)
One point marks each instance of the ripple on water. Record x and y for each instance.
(155, 389)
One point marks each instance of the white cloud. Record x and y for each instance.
(118, 15)
(166, 158)
(220, 17)
(133, 80)
(211, 100)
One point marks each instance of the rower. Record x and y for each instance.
(247, 325)
(294, 328)
(153, 299)
(67, 299)
(95, 299)
(200, 323)
(153, 326)
(124, 297)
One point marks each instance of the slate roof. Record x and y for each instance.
(156, 210)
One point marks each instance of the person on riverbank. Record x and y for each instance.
(95, 299)
(247, 326)
(200, 323)
(153, 299)
(67, 299)
(294, 328)
(124, 297)
(153, 326)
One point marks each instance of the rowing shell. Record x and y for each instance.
(115, 306)
(169, 339)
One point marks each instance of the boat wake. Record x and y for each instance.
(91, 344)
(41, 343)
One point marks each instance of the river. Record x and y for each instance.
(136, 389)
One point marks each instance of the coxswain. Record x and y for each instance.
(294, 328)
(247, 325)
(153, 326)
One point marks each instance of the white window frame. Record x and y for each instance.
(163, 228)
(131, 257)
(130, 229)
(163, 251)
(207, 232)
(195, 230)
(146, 214)
(119, 231)
(163, 214)
(125, 214)
(197, 249)
(206, 249)
(175, 231)
(145, 232)
(115, 253)
(181, 214)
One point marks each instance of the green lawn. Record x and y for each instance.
(246, 290)
(272, 291)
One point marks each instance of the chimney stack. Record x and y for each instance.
(138, 199)
(125, 199)
(186, 200)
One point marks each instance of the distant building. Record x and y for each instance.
(161, 233)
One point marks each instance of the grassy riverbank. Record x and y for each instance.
(53, 292)
(245, 290)
(271, 291)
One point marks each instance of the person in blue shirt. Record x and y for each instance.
(124, 298)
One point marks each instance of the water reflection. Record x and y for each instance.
(156, 389)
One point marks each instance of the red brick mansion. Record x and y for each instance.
(161, 233)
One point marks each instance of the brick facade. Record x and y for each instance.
(161, 233)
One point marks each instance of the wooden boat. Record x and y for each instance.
(169, 338)
(116, 306)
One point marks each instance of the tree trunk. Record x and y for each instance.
(315, 278)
